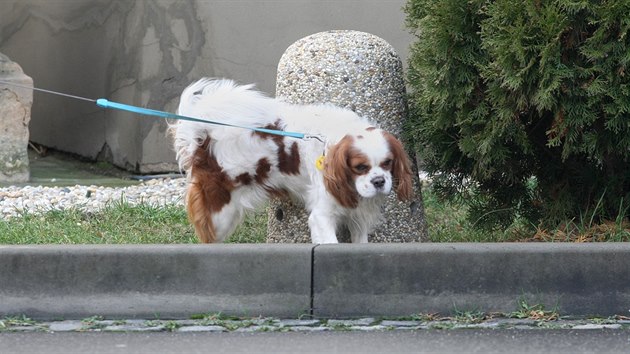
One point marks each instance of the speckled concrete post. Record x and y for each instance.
(15, 113)
(361, 72)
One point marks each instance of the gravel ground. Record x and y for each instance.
(37, 199)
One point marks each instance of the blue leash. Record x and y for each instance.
(104, 103)
(101, 102)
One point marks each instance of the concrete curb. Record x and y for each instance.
(399, 279)
(155, 281)
(289, 280)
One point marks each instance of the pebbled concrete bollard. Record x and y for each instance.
(15, 114)
(361, 72)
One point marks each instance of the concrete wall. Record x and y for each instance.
(145, 52)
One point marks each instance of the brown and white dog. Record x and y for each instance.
(231, 170)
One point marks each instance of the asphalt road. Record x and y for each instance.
(423, 341)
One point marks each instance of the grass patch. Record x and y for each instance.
(123, 223)
(17, 321)
(534, 312)
(448, 222)
(117, 223)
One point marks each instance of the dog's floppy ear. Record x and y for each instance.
(338, 175)
(401, 169)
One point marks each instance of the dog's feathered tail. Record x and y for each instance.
(217, 100)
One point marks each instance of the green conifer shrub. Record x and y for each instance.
(522, 108)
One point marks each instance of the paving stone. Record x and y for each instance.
(359, 322)
(308, 329)
(293, 323)
(65, 326)
(507, 322)
(245, 323)
(597, 326)
(525, 327)
(482, 325)
(202, 329)
(369, 328)
(256, 329)
(132, 328)
(400, 323)
(441, 324)
(569, 323)
(410, 328)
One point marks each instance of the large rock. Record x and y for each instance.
(364, 73)
(15, 113)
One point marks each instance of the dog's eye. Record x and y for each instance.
(387, 164)
(362, 167)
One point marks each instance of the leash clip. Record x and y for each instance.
(318, 137)
(319, 163)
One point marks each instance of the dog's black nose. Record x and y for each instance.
(378, 182)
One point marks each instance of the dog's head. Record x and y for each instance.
(367, 165)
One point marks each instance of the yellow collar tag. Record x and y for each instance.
(319, 163)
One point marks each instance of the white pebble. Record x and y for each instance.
(38, 199)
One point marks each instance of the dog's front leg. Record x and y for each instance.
(322, 227)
